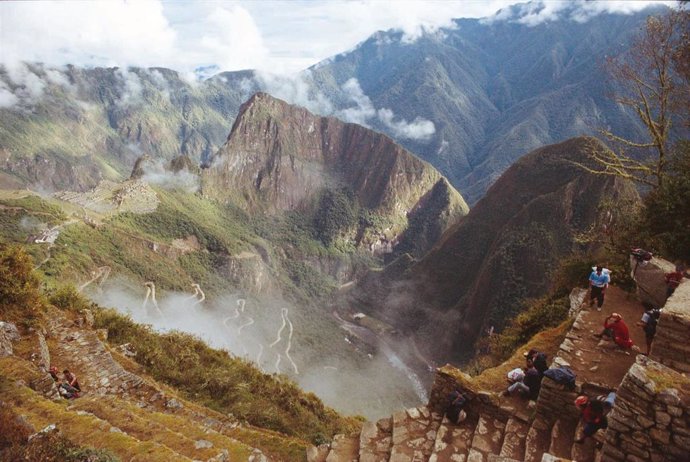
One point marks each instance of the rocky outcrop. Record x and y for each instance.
(8, 335)
(649, 277)
(281, 157)
(541, 210)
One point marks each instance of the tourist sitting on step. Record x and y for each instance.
(71, 379)
(526, 385)
(456, 403)
(538, 359)
(65, 389)
(593, 413)
(616, 330)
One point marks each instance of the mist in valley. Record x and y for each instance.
(280, 338)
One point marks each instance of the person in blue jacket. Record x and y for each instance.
(598, 282)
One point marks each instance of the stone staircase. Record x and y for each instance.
(420, 435)
(130, 407)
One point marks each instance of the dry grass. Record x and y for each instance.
(547, 341)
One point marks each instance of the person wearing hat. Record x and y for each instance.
(598, 282)
(616, 329)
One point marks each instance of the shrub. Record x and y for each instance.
(20, 297)
(68, 298)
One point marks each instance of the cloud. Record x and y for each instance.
(419, 129)
(363, 109)
(534, 13)
(239, 34)
(295, 89)
(28, 86)
(156, 173)
(364, 112)
(7, 98)
(132, 88)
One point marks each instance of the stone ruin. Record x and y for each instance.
(650, 420)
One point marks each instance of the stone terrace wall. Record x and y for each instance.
(651, 418)
(672, 341)
(447, 379)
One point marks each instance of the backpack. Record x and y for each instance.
(650, 327)
(641, 255)
(563, 375)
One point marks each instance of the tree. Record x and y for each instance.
(650, 82)
(666, 212)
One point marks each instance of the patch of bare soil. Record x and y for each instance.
(602, 361)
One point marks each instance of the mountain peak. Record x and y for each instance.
(281, 157)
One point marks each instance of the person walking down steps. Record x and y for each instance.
(598, 282)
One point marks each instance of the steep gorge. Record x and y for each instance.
(541, 210)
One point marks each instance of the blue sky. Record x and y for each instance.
(271, 35)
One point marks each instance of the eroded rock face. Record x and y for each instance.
(8, 335)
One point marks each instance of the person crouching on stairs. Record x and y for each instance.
(593, 413)
(616, 330)
(528, 386)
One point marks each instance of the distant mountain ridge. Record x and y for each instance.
(493, 90)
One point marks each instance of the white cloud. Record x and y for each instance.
(132, 88)
(7, 98)
(294, 89)
(537, 12)
(238, 34)
(363, 109)
(419, 129)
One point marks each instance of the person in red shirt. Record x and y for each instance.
(616, 329)
(673, 280)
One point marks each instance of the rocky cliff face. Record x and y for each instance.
(501, 253)
(280, 157)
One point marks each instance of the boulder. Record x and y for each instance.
(649, 276)
(8, 335)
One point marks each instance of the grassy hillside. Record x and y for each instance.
(272, 408)
(272, 263)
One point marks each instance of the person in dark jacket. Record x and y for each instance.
(538, 359)
(456, 403)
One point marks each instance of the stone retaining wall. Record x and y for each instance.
(448, 379)
(651, 418)
(672, 341)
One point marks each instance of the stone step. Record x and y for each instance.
(344, 448)
(538, 440)
(453, 441)
(487, 438)
(586, 451)
(414, 434)
(562, 437)
(375, 441)
(514, 440)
